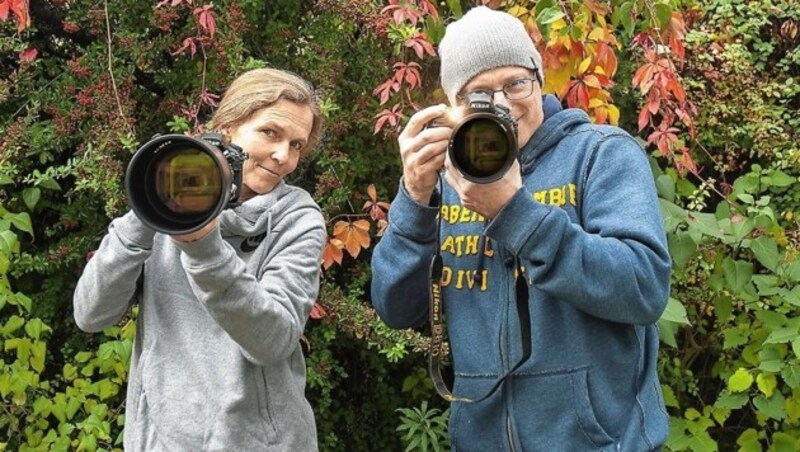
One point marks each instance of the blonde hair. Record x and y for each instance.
(258, 89)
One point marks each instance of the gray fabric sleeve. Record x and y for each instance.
(107, 286)
(265, 317)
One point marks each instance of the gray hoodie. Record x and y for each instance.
(217, 362)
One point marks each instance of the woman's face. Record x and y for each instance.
(274, 137)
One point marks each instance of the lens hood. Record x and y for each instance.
(176, 184)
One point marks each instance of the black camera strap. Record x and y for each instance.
(437, 349)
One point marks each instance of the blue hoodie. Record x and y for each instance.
(588, 232)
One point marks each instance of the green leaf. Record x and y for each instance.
(675, 312)
(663, 14)
(772, 358)
(734, 337)
(669, 397)
(455, 7)
(22, 221)
(666, 187)
(31, 196)
(34, 328)
(681, 248)
(792, 272)
(737, 273)
(782, 335)
(766, 251)
(549, 15)
(783, 442)
(13, 323)
(748, 441)
(740, 381)
(791, 376)
(772, 406)
(49, 183)
(723, 308)
(705, 223)
(730, 401)
(779, 179)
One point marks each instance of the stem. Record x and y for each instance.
(110, 66)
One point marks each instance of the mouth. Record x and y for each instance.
(268, 170)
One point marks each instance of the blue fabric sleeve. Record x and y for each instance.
(401, 260)
(615, 264)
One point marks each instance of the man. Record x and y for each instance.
(577, 217)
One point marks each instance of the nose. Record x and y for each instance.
(280, 153)
(499, 98)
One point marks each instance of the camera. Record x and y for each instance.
(483, 143)
(176, 184)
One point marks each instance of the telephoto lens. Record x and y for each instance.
(176, 184)
(483, 144)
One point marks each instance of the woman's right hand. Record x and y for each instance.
(423, 152)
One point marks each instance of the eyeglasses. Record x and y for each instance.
(515, 90)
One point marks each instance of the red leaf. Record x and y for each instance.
(317, 312)
(644, 119)
(205, 17)
(4, 8)
(188, 43)
(28, 55)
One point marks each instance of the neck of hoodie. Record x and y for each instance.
(557, 123)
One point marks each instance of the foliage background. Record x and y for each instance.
(712, 89)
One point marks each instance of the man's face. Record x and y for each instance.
(527, 112)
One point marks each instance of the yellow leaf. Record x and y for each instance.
(558, 25)
(613, 114)
(595, 102)
(584, 65)
(598, 34)
(766, 384)
(517, 11)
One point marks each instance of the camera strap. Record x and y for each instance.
(438, 350)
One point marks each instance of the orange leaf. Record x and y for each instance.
(332, 253)
(354, 235)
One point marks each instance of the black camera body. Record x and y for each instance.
(176, 184)
(483, 143)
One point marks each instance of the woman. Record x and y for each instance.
(217, 362)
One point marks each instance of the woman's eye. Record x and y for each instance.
(269, 132)
(297, 146)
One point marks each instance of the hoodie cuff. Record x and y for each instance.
(205, 252)
(130, 229)
(517, 221)
(415, 220)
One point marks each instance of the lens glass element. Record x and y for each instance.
(480, 147)
(188, 181)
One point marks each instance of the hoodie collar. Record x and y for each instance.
(557, 123)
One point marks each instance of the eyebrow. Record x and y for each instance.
(271, 123)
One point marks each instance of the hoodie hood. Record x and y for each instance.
(557, 123)
(257, 214)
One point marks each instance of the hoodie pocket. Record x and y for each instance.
(476, 426)
(554, 412)
(264, 404)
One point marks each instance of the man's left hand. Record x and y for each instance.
(486, 199)
(198, 234)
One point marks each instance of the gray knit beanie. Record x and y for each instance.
(484, 39)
